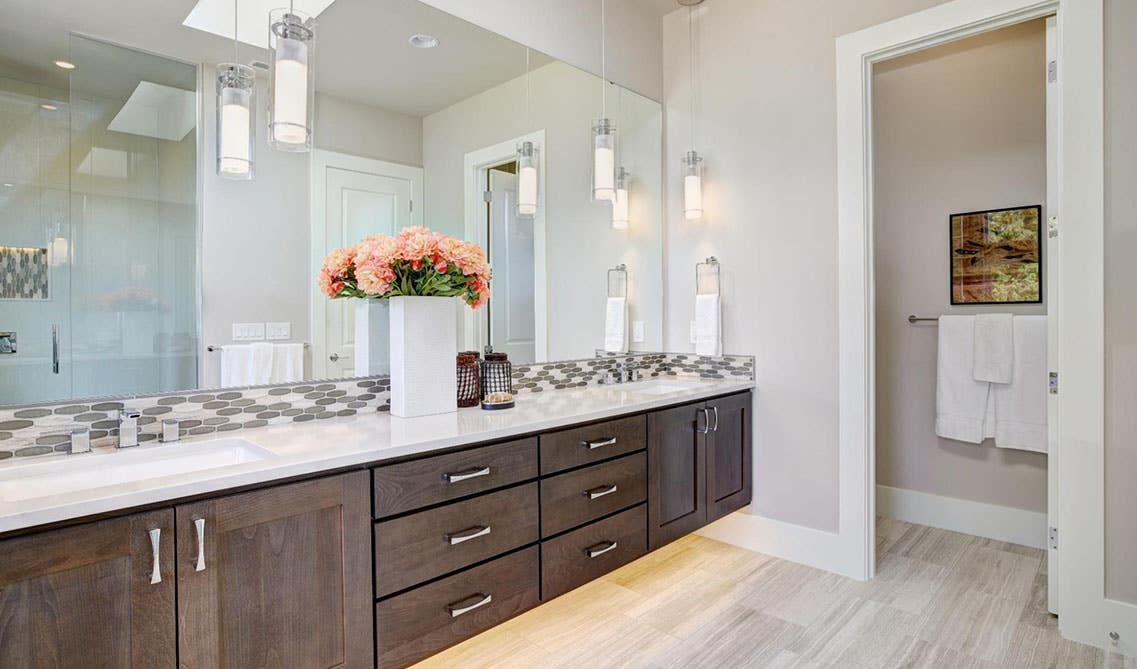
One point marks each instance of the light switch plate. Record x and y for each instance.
(694, 330)
(638, 332)
(248, 331)
(278, 330)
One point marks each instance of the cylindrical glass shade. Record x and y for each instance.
(692, 186)
(603, 160)
(291, 80)
(620, 204)
(527, 161)
(235, 126)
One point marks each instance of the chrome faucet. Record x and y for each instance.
(623, 373)
(128, 427)
(80, 441)
(170, 432)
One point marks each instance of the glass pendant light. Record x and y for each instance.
(235, 126)
(603, 131)
(527, 161)
(692, 162)
(620, 215)
(291, 80)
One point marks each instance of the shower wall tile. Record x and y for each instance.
(23, 273)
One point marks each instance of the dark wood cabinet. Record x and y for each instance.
(94, 595)
(730, 469)
(277, 577)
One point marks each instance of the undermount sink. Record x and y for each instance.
(660, 387)
(82, 472)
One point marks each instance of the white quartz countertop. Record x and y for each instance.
(309, 448)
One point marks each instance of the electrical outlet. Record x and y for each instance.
(278, 330)
(638, 332)
(694, 332)
(248, 331)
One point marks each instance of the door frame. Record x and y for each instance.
(1085, 609)
(474, 168)
(323, 159)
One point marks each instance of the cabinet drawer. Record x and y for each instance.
(574, 498)
(423, 621)
(421, 546)
(592, 443)
(411, 485)
(588, 553)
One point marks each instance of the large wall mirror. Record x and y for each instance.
(127, 265)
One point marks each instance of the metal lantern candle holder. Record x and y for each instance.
(497, 374)
(469, 383)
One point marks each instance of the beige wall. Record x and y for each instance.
(1120, 298)
(362, 130)
(961, 127)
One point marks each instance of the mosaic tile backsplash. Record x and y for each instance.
(23, 273)
(44, 430)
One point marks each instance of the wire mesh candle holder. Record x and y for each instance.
(497, 374)
(469, 381)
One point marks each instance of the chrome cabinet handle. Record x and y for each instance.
(706, 429)
(600, 491)
(599, 443)
(155, 569)
(456, 609)
(466, 535)
(54, 349)
(600, 548)
(199, 526)
(716, 427)
(466, 474)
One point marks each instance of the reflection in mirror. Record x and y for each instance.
(127, 266)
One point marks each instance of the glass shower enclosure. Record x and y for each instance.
(98, 226)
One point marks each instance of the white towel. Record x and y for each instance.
(962, 403)
(261, 366)
(708, 319)
(994, 348)
(616, 325)
(1020, 406)
(287, 362)
(236, 365)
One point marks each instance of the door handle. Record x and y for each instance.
(55, 348)
(600, 548)
(466, 474)
(600, 491)
(716, 427)
(199, 527)
(456, 609)
(334, 357)
(466, 535)
(706, 428)
(155, 568)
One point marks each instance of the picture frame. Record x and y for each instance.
(996, 256)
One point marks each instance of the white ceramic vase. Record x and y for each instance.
(424, 348)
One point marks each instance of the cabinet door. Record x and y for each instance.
(676, 473)
(729, 456)
(277, 577)
(94, 595)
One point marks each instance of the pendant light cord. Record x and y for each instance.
(691, 67)
(236, 60)
(603, 61)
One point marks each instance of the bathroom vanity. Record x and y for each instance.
(383, 561)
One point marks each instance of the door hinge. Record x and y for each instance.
(1052, 227)
(1051, 72)
(1052, 536)
(1053, 383)
(488, 196)
(412, 206)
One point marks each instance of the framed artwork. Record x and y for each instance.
(996, 256)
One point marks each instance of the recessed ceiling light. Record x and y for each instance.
(423, 41)
(65, 64)
(48, 107)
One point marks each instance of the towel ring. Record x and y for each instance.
(618, 274)
(714, 270)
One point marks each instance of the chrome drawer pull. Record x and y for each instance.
(466, 535)
(600, 491)
(600, 548)
(456, 609)
(599, 443)
(155, 570)
(706, 429)
(466, 474)
(716, 427)
(199, 526)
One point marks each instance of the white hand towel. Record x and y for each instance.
(616, 325)
(962, 403)
(236, 365)
(1020, 406)
(708, 318)
(287, 362)
(260, 369)
(994, 348)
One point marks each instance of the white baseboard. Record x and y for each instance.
(1002, 523)
(796, 543)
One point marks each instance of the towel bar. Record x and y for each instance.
(213, 348)
(913, 319)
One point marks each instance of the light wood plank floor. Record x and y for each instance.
(940, 599)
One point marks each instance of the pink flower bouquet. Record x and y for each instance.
(416, 261)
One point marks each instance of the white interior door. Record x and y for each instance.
(1052, 269)
(511, 315)
(360, 198)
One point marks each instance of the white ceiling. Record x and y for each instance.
(361, 53)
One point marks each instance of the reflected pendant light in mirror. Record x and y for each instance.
(235, 127)
(692, 162)
(527, 162)
(620, 216)
(291, 80)
(603, 130)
